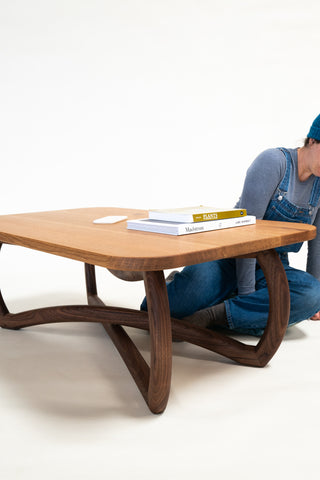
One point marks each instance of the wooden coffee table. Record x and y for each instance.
(72, 234)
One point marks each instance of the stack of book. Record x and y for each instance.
(183, 221)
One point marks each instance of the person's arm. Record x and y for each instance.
(313, 259)
(262, 179)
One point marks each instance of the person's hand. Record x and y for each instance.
(316, 316)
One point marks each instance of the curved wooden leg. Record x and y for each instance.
(279, 305)
(279, 310)
(154, 381)
(3, 307)
(161, 341)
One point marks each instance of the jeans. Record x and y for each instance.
(207, 284)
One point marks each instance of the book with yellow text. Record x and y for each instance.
(196, 214)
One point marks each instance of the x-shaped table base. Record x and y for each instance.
(154, 380)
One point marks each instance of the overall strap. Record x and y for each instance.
(315, 193)
(285, 181)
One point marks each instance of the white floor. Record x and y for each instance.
(147, 104)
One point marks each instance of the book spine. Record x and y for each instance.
(188, 228)
(219, 225)
(204, 217)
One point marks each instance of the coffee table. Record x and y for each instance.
(72, 234)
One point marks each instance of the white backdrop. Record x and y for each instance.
(149, 103)
(142, 104)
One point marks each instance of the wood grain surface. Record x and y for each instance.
(72, 234)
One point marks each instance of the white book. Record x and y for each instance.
(178, 228)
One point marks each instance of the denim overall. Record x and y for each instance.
(281, 209)
(207, 284)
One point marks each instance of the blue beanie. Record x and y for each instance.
(315, 129)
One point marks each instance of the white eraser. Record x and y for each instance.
(111, 219)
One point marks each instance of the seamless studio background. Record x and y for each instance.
(146, 104)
